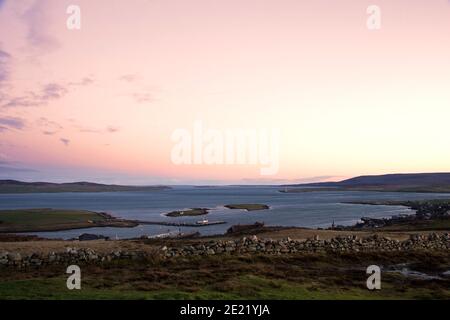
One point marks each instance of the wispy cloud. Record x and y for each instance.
(317, 179)
(83, 82)
(128, 77)
(112, 129)
(65, 141)
(109, 129)
(35, 18)
(6, 170)
(83, 128)
(49, 127)
(87, 129)
(5, 59)
(45, 122)
(52, 91)
(8, 167)
(292, 181)
(12, 123)
(142, 97)
(47, 93)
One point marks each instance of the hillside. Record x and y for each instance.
(413, 182)
(14, 186)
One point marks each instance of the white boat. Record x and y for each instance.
(204, 221)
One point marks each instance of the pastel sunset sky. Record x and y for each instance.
(101, 103)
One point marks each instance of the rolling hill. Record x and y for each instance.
(14, 186)
(408, 182)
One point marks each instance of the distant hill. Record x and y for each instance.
(14, 186)
(408, 182)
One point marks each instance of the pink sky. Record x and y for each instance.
(101, 103)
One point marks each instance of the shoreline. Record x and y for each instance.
(439, 209)
(105, 220)
(428, 215)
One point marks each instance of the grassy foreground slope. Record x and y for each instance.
(300, 276)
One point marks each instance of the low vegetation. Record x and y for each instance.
(420, 225)
(46, 219)
(190, 212)
(300, 276)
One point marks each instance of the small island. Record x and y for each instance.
(247, 206)
(190, 212)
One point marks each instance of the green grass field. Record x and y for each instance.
(45, 219)
(247, 287)
(308, 276)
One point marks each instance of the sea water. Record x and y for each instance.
(306, 209)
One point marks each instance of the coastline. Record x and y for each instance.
(428, 215)
(109, 221)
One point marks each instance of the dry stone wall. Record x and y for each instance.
(250, 245)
